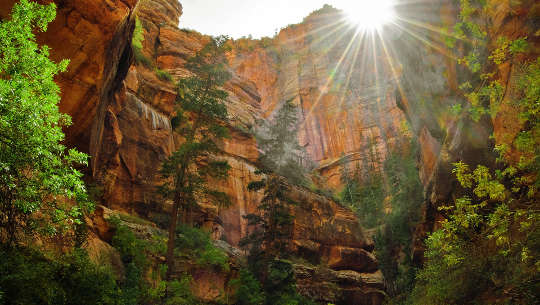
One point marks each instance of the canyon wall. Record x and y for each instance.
(341, 81)
(122, 114)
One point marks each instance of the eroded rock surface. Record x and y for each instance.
(343, 87)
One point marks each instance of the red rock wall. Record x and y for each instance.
(121, 112)
(84, 32)
(342, 85)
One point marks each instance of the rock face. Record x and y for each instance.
(92, 34)
(351, 109)
(320, 284)
(121, 113)
(342, 85)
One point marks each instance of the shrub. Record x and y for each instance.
(138, 35)
(180, 292)
(140, 58)
(65, 280)
(197, 244)
(133, 254)
(248, 289)
(164, 75)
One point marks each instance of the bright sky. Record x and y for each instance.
(238, 18)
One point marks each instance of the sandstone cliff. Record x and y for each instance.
(121, 114)
(342, 82)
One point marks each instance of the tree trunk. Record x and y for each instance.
(172, 235)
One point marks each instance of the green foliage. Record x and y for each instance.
(365, 198)
(528, 140)
(138, 35)
(27, 276)
(248, 289)
(133, 252)
(278, 142)
(200, 114)
(180, 292)
(137, 46)
(394, 239)
(483, 93)
(269, 242)
(143, 282)
(196, 244)
(273, 224)
(487, 247)
(37, 174)
(164, 75)
(279, 286)
(72, 278)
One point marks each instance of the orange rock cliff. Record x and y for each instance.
(121, 116)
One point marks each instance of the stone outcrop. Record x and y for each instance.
(339, 287)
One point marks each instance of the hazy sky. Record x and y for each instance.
(238, 18)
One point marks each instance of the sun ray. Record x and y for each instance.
(393, 68)
(337, 25)
(431, 28)
(329, 79)
(440, 49)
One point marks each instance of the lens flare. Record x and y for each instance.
(370, 15)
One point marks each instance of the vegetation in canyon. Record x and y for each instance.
(269, 241)
(37, 175)
(487, 247)
(201, 110)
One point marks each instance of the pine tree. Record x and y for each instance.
(37, 174)
(200, 114)
(274, 223)
(270, 242)
(278, 143)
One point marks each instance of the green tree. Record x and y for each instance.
(278, 142)
(37, 174)
(273, 225)
(248, 289)
(269, 243)
(486, 249)
(200, 113)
